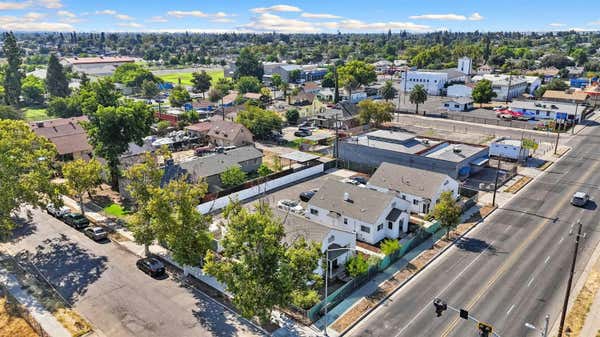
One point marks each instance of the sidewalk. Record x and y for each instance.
(46, 320)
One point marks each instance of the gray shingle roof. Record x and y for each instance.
(297, 226)
(365, 204)
(409, 180)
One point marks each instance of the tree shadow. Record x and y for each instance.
(24, 226)
(68, 267)
(474, 245)
(213, 317)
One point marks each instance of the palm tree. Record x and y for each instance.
(388, 91)
(418, 95)
(285, 87)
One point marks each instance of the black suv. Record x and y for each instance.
(151, 266)
(76, 220)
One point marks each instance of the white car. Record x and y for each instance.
(290, 205)
(57, 212)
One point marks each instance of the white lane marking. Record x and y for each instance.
(506, 229)
(547, 259)
(530, 281)
(561, 240)
(510, 309)
(441, 292)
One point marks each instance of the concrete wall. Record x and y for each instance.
(248, 193)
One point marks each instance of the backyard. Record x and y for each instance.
(31, 114)
(186, 77)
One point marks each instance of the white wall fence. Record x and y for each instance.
(219, 203)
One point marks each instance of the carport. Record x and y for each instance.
(299, 157)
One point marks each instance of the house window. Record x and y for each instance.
(379, 227)
(314, 211)
(415, 202)
(390, 225)
(345, 221)
(365, 229)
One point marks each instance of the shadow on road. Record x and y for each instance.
(23, 228)
(474, 245)
(67, 266)
(590, 205)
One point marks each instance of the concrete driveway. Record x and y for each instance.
(103, 284)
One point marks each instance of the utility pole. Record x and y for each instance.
(336, 145)
(574, 119)
(404, 91)
(544, 332)
(570, 281)
(557, 138)
(496, 182)
(508, 89)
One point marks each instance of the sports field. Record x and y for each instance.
(186, 78)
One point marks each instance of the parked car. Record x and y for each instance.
(351, 181)
(303, 133)
(290, 205)
(360, 179)
(96, 233)
(580, 199)
(57, 212)
(151, 266)
(307, 195)
(76, 220)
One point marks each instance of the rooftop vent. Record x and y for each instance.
(347, 197)
(456, 149)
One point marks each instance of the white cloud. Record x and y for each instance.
(130, 24)
(66, 14)
(276, 8)
(8, 5)
(33, 16)
(124, 17)
(181, 14)
(30, 23)
(220, 17)
(556, 24)
(475, 17)
(222, 20)
(375, 26)
(157, 19)
(50, 3)
(107, 12)
(270, 22)
(115, 14)
(319, 16)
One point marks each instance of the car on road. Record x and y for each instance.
(151, 266)
(57, 212)
(96, 233)
(290, 205)
(580, 199)
(307, 195)
(303, 133)
(76, 220)
(359, 179)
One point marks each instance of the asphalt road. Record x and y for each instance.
(103, 284)
(513, 267)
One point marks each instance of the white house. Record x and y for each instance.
(505, 85)
(420, 188)
(460, 90)
(465, 65)
(458, 104)
(509, 149)
(373, 215)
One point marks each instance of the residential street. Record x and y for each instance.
(102, 282)
(512, 268)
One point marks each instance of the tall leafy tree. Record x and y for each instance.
(259, 121)
(388, 91)
(132, 75)
(418, 95)
(12, 72)
(57, 84)
(256, 266)
(149, 89)
(276, 82)
(82, 176)
(248, 84)
(25, 171)
(111, 129)
(179, 96)
(483, 92)
(356, 73)
(33, 90)
(10, 112)
(377, 113)
(447, 212)
(233, 176)
(201, 82)
(247, 64)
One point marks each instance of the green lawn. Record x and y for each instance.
(31, 114)
(186, 78)
(115, 210)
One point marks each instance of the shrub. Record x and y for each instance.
(357, 265)
(305, 299)
(389, 246)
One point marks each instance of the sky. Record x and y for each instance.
(307, 16)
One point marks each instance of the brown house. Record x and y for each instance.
(67, 134)
(222, 132)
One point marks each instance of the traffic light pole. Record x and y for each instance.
(469, 316)
(570, 281)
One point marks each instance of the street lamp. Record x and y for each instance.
(544, 332)
(326, 283)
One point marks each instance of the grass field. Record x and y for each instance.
(31, 114)
(186, 78)
(115, 210)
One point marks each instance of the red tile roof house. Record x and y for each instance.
(67, 134)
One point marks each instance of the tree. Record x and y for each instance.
(483, 92)
(10, 112)
(12, 72)
(57, 83)
(233, 176)
(276, 82)
(259, 121)
(356, 73)
(370, 111)
(554, 84)
(179, 96)
(144, 182)
(390, 246)
(264, 170)
(111, 129)
(256, 266)
(162, 127)
(82, 176)
(132, 75)
(247, 84)
(178, 223)
(65, 107)
(357, 265)
(418, 95)
(292, 116)
(247, 64)
(149, 89)
(201, 82)
(265, 95)
(33, 90)
(388, 91)
(25, 171)
(447, 211)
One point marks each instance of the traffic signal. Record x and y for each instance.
(484, 329)
(440, 306)
(464, 314)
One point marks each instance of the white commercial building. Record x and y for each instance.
(434, 81)
(508, 149)
(460, 90)
(505, 86)
(97, 66)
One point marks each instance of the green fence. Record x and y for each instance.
(432, 232)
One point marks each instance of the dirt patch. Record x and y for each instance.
(11, 323)
(368, 247)
(116, 236)
(581, 307)
(518, 185)
(72, 321)
(546, 165)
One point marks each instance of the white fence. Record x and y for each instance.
(248, 193)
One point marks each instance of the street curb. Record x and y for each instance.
(368, 312)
